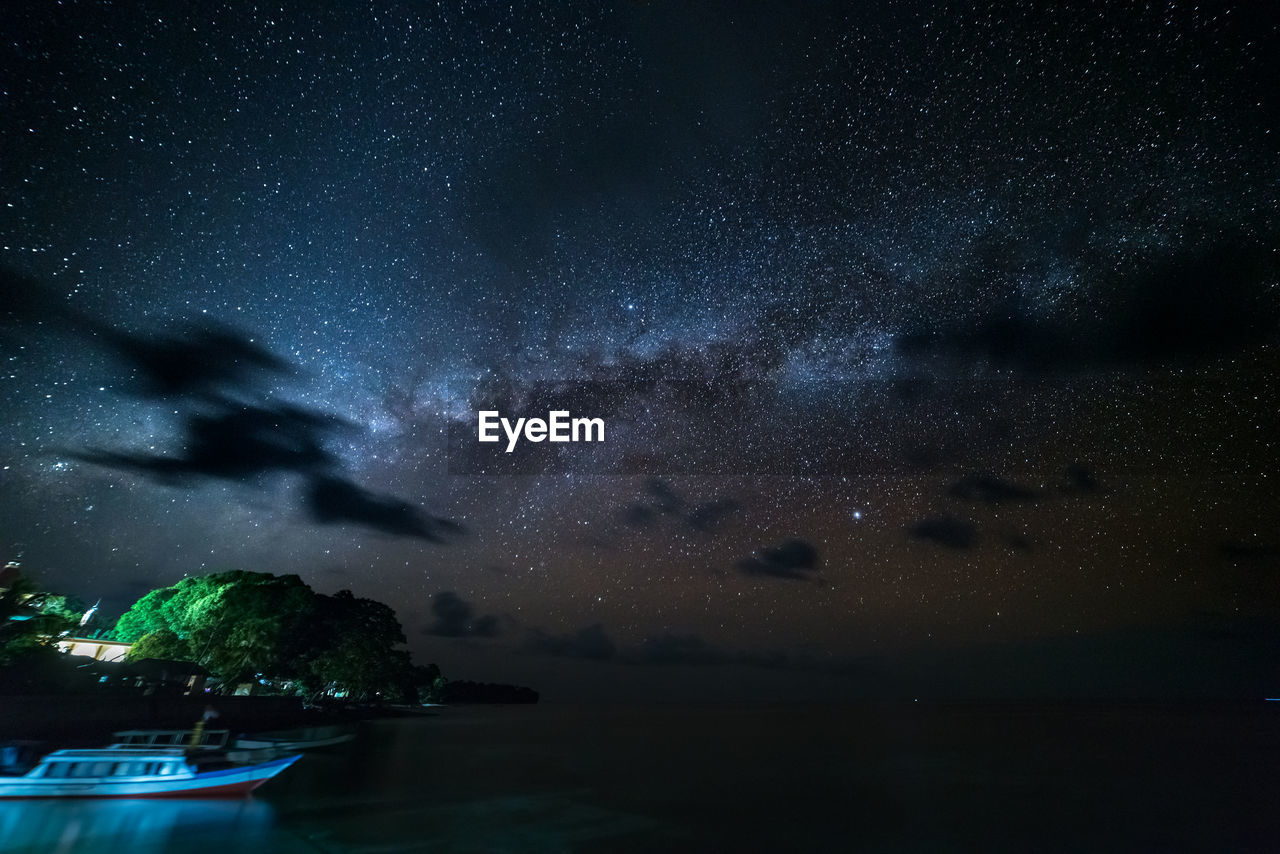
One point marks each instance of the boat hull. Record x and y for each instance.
(226, 783)
(290, 741)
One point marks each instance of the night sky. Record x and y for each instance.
(936, 348)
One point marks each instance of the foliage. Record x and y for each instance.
(426, 684)
(163, 644)
(352, 644)
(236, 623)
(30, 619)
(147, 615)
(246, 626)
(67, 607)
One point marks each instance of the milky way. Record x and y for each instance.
(928, 340)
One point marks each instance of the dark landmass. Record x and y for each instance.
(486, 692)
(56, 698)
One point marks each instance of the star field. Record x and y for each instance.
(919, 331)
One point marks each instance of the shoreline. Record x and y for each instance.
(77, 719)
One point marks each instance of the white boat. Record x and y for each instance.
(116, 773)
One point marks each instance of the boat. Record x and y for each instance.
(205, 739)
(283, 741)
(135, 773)
(305, 738)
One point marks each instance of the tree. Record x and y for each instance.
(30, 619)
(426, 684)
(248, 625)
(237, 624)
(352, 645)
(251, 626)
(146, 616)
(163, 644)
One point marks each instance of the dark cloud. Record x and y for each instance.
(456, 618)
(1018, 542)
(1003, 338)
(232, 431)
(591, 643)
(666, 501)
(1080, 479)
(989, 489)
(671, 649)
(233, 441)
(639, 515)
(946, 531)
(1205, 298)
(27, 302)
(794, 560)
(206, 359)
(684, 650)
(707, 517)
(664, 496)
(331, 500)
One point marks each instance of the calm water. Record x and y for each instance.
(613, 779)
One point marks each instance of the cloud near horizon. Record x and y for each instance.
(793, 559)
(456, 618)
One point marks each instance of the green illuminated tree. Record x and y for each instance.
(162, 643)
(30, 619)
(245, 625)
(238, 624)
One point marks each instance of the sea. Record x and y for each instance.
(891, 777)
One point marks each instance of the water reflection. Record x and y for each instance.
(548, 780)
(140, 826)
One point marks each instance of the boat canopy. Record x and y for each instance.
(108, 754)
(79, 764)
